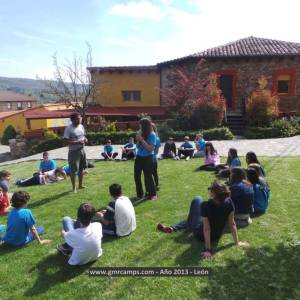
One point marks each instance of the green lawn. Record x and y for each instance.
(268, 270)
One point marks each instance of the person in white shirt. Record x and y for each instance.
(83, 238)
(75, 136)
(118, 219)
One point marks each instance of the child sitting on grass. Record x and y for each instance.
(261, 191)
(83, 238)
(20, 223)
(129, 150)
(4, 180)
(223, 170)
(118, 219)
(4, 203)
(251, 158)
(109, 152)
(211, 159)
(186, 149)
(169, 149)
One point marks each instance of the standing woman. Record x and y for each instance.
(156, 150)
(146, 142)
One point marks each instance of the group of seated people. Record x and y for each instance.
(244, 195)
(82, 235)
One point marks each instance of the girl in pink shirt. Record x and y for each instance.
(211, 159)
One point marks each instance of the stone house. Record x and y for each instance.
(239, 64)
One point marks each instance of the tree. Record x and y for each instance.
(194, 101)
(9, 133)
(73, 84)
(262, 105)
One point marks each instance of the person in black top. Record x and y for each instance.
(169, 149)
(207, 219)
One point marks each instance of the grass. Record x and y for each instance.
(269, 269)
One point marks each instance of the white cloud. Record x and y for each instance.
(138, 10)
(216, 22)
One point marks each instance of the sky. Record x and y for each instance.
(133, 32)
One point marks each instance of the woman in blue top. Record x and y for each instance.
(156, 149)
(261, 192)
(223, 170)
(146, 142)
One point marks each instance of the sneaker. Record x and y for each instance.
(124, 158)
(164, 228)
(153, 198)
(64, 249)
(187, 158)
(18, 182)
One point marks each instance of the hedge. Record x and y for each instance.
(222, 133)
(121, 137)
(46, 145)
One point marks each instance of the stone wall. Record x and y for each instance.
(18, 147)
(247, 71)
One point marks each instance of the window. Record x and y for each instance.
(131, 95)
(8, 105)
(29, 104)
(284, 82)
(19, 105)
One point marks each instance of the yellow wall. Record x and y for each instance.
(110, 86)
(38, 124)
(17, 121)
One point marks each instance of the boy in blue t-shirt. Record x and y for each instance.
(20, 223)
(200, 146)
(129, 150)
(109, 152)
(186, 149)
(47, 164)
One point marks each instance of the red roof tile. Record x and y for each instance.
(247, 47)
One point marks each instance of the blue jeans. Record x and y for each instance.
(194, 221)
(30, 236)
(70, 224)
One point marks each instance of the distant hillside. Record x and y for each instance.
(36, 88)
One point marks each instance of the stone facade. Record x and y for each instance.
(246, 72)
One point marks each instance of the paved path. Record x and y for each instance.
(265, 147)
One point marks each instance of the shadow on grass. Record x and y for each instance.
(192, 255)
(262, 273)
(7, 249)
(53, 270)
(47, 200)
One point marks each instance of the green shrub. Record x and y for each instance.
(118, 137)
(47, 144)
(284, 127)
(222, 133)
(9, 133)
(164, 131)
(49, 134)
(260, 133)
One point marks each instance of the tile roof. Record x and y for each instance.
(14, 97)
(125, 111)
(123, 69)
(246, 47)
(6, 114)
(98, 110)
